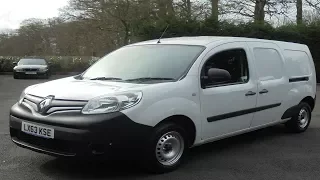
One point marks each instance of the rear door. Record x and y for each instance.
(272, 82)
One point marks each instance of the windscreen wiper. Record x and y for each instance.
(106, 78)
(150, 78)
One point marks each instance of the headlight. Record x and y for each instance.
(22, 96)
(43, 70)
(112, 103)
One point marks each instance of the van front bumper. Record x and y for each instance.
(103, 134)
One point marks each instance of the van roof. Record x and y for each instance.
(205, 40)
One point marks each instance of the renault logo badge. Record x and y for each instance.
(45, 103)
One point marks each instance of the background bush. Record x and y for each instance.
(308, 34)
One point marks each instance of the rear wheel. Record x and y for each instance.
(166, 148)
(301, 120)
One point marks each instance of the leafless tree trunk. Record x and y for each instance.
(165, 8)
(259, 12)
(126, 32)
(188, 3)
(299, 11)
(215, 10)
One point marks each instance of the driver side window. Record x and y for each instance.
(234, 61)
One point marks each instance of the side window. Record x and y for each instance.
(268, 63)
(234, 61)
(297, 63)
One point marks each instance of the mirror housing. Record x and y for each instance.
(15, 63)
(218, 75)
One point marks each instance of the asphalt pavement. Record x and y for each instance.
(271, 153)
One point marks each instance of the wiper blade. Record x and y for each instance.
(106, 78)
(150, 78)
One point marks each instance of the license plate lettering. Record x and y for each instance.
(31, 72)
(37, 130)
(41, 131)
(33, 129)
(48, 132)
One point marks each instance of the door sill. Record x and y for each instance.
(240, 132)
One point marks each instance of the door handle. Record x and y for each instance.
(264, 91)
(250, 93)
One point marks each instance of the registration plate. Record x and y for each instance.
(31, 72)
(37, 130)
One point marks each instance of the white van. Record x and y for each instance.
(161, 98)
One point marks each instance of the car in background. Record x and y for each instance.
(31, 68)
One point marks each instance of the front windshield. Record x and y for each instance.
(32, 62)
(145, 61)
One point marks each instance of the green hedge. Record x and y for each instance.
(59, 64)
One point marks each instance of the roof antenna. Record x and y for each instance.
(163, 34)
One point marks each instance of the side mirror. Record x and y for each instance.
(218, 75)
(14, 63)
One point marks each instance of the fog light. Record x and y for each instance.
(97, 149)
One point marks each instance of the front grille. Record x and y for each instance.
(30, 69)
(55, 106)
(52, 145)
(30, 103)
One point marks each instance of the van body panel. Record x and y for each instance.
(221, 105)
(273, 83)
(164, 100)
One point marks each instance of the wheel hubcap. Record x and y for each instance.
(169, 148)
(303, 118)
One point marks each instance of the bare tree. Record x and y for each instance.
(299, 11)
(188, 5)
(109, 15)
(215, 10)
(166, 8)
(184, 9)
(314, 4)
(259, 12)
(256, 9)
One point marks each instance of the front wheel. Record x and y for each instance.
(47, 76)
(166, 148)
(16, 76)
(301, 120)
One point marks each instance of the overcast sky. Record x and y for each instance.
(13, 12)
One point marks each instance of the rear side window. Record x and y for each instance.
(269, 64)
(297, 63)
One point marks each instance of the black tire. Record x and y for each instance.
(152, 164)
(294, 124)
(15, 76)
(46, 76)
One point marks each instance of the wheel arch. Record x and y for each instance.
(292, 110)
(310, 101)
(186, 123)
